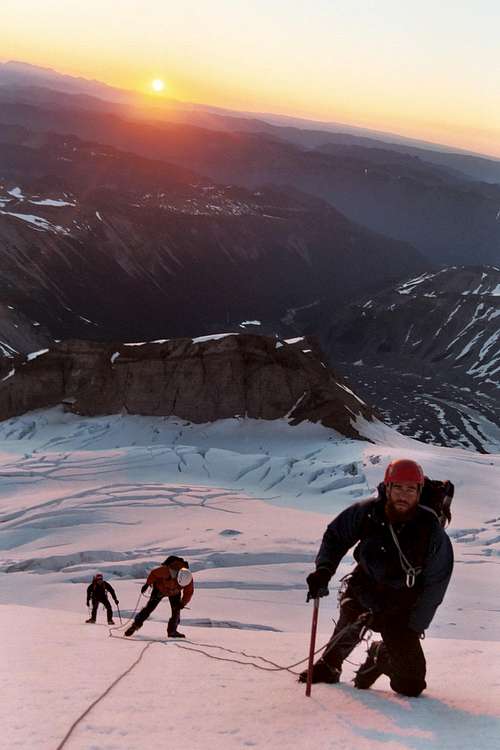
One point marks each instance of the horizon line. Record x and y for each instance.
(321, 125)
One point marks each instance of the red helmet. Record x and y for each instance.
(404, 470)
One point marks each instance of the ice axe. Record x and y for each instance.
(312, 645)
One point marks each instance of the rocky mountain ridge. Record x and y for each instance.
(427, 352)
(200, 380)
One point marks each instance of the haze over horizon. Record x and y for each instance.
(428, 73)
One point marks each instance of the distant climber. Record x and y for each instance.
(173, 579)
(404, 564)
(97, 593)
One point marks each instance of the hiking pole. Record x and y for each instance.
(312, 646)
(119, 614)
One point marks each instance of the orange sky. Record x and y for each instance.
(424, 71)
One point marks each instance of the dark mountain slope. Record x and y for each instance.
(449, 219)
(106, 244)
(427, 353)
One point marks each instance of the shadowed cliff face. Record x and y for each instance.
(195, 379)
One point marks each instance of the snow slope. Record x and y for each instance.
(246, 502)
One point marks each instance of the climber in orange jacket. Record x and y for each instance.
(173, 579)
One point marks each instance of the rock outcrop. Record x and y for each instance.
(200, 380)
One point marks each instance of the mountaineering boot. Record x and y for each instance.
(132, 628)
(91, 619)
(370, 670)
(175, 634)
(111, 622)
(322, 672)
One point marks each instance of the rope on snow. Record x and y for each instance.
(273, 668)
(103, 695)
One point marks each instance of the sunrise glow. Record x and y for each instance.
(158, 85)
(424, 70)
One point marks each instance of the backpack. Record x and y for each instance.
(175, 560)
(436, 496)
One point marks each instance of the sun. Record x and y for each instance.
(158, 85)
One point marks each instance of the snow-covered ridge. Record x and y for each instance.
(409, 286)
(486, 285)
(17, 201)
(430, 355)
(38, 222)
(466, 329)
(52, 202)
(6, 350)
(34, 355)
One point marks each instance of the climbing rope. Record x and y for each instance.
(103, 695)
(184, 647)
(124, 624)
(115, 682)
(275, 667)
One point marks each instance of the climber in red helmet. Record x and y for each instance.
(404, 564)
(97, 593)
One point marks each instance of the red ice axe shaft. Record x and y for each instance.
(312, 646)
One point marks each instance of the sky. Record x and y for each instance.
(427, 70)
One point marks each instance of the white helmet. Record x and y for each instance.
(184, 577)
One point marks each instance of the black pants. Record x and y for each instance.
(400, 656)
(154, 600)
(105, 603)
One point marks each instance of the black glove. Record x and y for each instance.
(117, 601)
(144, 588)
(317, 583)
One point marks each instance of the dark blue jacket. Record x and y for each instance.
(379, 581)
(100, 592)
